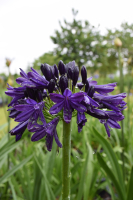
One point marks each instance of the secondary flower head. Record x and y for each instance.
(41, 101)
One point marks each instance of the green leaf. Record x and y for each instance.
(49, 192)
(130, 187)
(7, 149)
(13, 191)
(112, 158)
(111, 176)
(14, 169)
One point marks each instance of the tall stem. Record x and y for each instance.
(66, 161)
(122, 124)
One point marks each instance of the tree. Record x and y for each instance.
(77, 41)
(45, 58)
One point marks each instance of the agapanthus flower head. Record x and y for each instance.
(41, 101)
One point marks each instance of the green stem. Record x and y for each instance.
(122, 124)
(66, 161)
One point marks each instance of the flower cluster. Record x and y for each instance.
(42, 101)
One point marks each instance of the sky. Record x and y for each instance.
(26, 25)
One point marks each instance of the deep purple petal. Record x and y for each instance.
(38, 135)
(56, 108)
(67, 112)
(107, 129)
(67, 93)
(19, 128)
(78, 106)
(77, 97)
(23, 107)
(24, 115)
(80, 85)
(49, 142)
(113, 124)
(57, 98)
(57, 139)
(31, 101)
(51, 126)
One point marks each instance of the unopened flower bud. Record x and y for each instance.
(86, 86)
(8, 62)
(39, 96)
(61, 67)
(51, 86)
(56, 73)
(117, 42)
(63, 83)
(47, 71)
(84, 74)
(75, 75)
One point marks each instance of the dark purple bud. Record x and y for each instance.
(70, 73)
(75, 75)
(63, 83)
(56, 73)
(84, 74)
(51, 86)
(91, 91)
(31, 93)
(86, 86)
(39, 96)
(61, 67)
(44, 93)
(47, 71)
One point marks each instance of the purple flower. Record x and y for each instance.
(19, 130)
(48, 130)
(29, 111)
(15, 93)
(81, 119)
(67, 102)
(113, 102)
(32, 80)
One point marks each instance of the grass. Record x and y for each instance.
(3, 121)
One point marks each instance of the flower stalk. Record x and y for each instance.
(66, 152)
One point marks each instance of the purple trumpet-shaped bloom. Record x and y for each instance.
(81, 119)
(67, 102)
(15, 93)
(32, 80)
(48, 130)
(19, 130)
(101, 89)
(29, 111)
(113, 102)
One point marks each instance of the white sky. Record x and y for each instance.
(26, 25)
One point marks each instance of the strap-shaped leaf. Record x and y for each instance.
(112, 158)
(14, 169)
(130, 187)
(111, 176)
